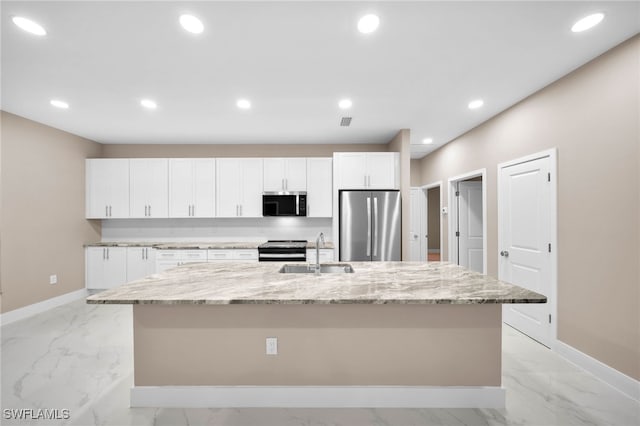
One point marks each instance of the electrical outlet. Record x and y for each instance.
(272, 346)
(53, 279)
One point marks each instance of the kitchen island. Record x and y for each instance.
(393, 334)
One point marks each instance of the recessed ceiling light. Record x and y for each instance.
(29, 26)
(427, 141)
(59, 104)
(368, 23)
(476, 104)
(191, 24)
(243, 104)
(587, 22)
(345, 103)
(149, 104)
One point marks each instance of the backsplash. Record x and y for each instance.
(223, 229)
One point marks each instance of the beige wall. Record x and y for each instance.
(401, 143)
(321, 345)
(195, 151)
(43, 225)
(415, 174)
(591, 116)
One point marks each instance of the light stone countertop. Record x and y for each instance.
(371, 283)
(197, 245)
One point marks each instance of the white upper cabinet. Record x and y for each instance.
(239, 187)
(148, 187)
(367, 170)
(319, 187)
(192, 187)
(107, 188)
(285, 174)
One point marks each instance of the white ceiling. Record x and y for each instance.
(294, 61)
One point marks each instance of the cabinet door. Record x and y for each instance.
(382, 170)
(180, 187)
(149, 187)
(140, 262)
(107, 188)
(274, 174)
(251, 181)
(319, 187)
(228, 187)
(295, 174)
(204, 187)
(351, 170)
(95, 258)
(115, 267)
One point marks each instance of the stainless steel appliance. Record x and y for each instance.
(283, 250)
(284, 204)
(370, 225)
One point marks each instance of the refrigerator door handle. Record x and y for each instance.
(375, 226)
(368, 226)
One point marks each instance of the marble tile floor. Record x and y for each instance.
(79, 357)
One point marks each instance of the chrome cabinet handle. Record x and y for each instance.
(365, 181)
(504, 253)
(149, 210)
(106, 211)
(107, 249)
(240, 209)
(110, 214)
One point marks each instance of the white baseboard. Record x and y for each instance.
(620, 381)
(318, 396)
(45, 305)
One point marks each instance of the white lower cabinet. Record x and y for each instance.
(326, 255)
(167, 259)
(106, 267)
(141, 261)
(232, 255)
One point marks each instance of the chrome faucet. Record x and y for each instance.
(319, 238)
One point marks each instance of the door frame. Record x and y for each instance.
(453, 213)
(425, 228)
(553, 223)
(422, 225)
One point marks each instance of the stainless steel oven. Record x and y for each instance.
(283, 251)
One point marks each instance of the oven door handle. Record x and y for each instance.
(281, 255)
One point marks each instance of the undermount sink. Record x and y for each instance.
(337, 268)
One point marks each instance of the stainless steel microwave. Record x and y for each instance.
(284, 204)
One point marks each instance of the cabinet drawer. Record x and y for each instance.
(245, 254)
(192, 255)
(233, 254)
(219, 255)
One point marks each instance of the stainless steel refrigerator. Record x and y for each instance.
(369, 225)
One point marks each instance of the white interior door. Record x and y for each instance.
(415, 222)
(470, 226)
(525, 233)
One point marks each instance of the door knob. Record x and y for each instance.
(504, 253)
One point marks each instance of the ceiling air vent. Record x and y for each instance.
(345, 121)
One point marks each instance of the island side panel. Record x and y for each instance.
(321, 345)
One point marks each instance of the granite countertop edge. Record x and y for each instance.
(317, 302)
